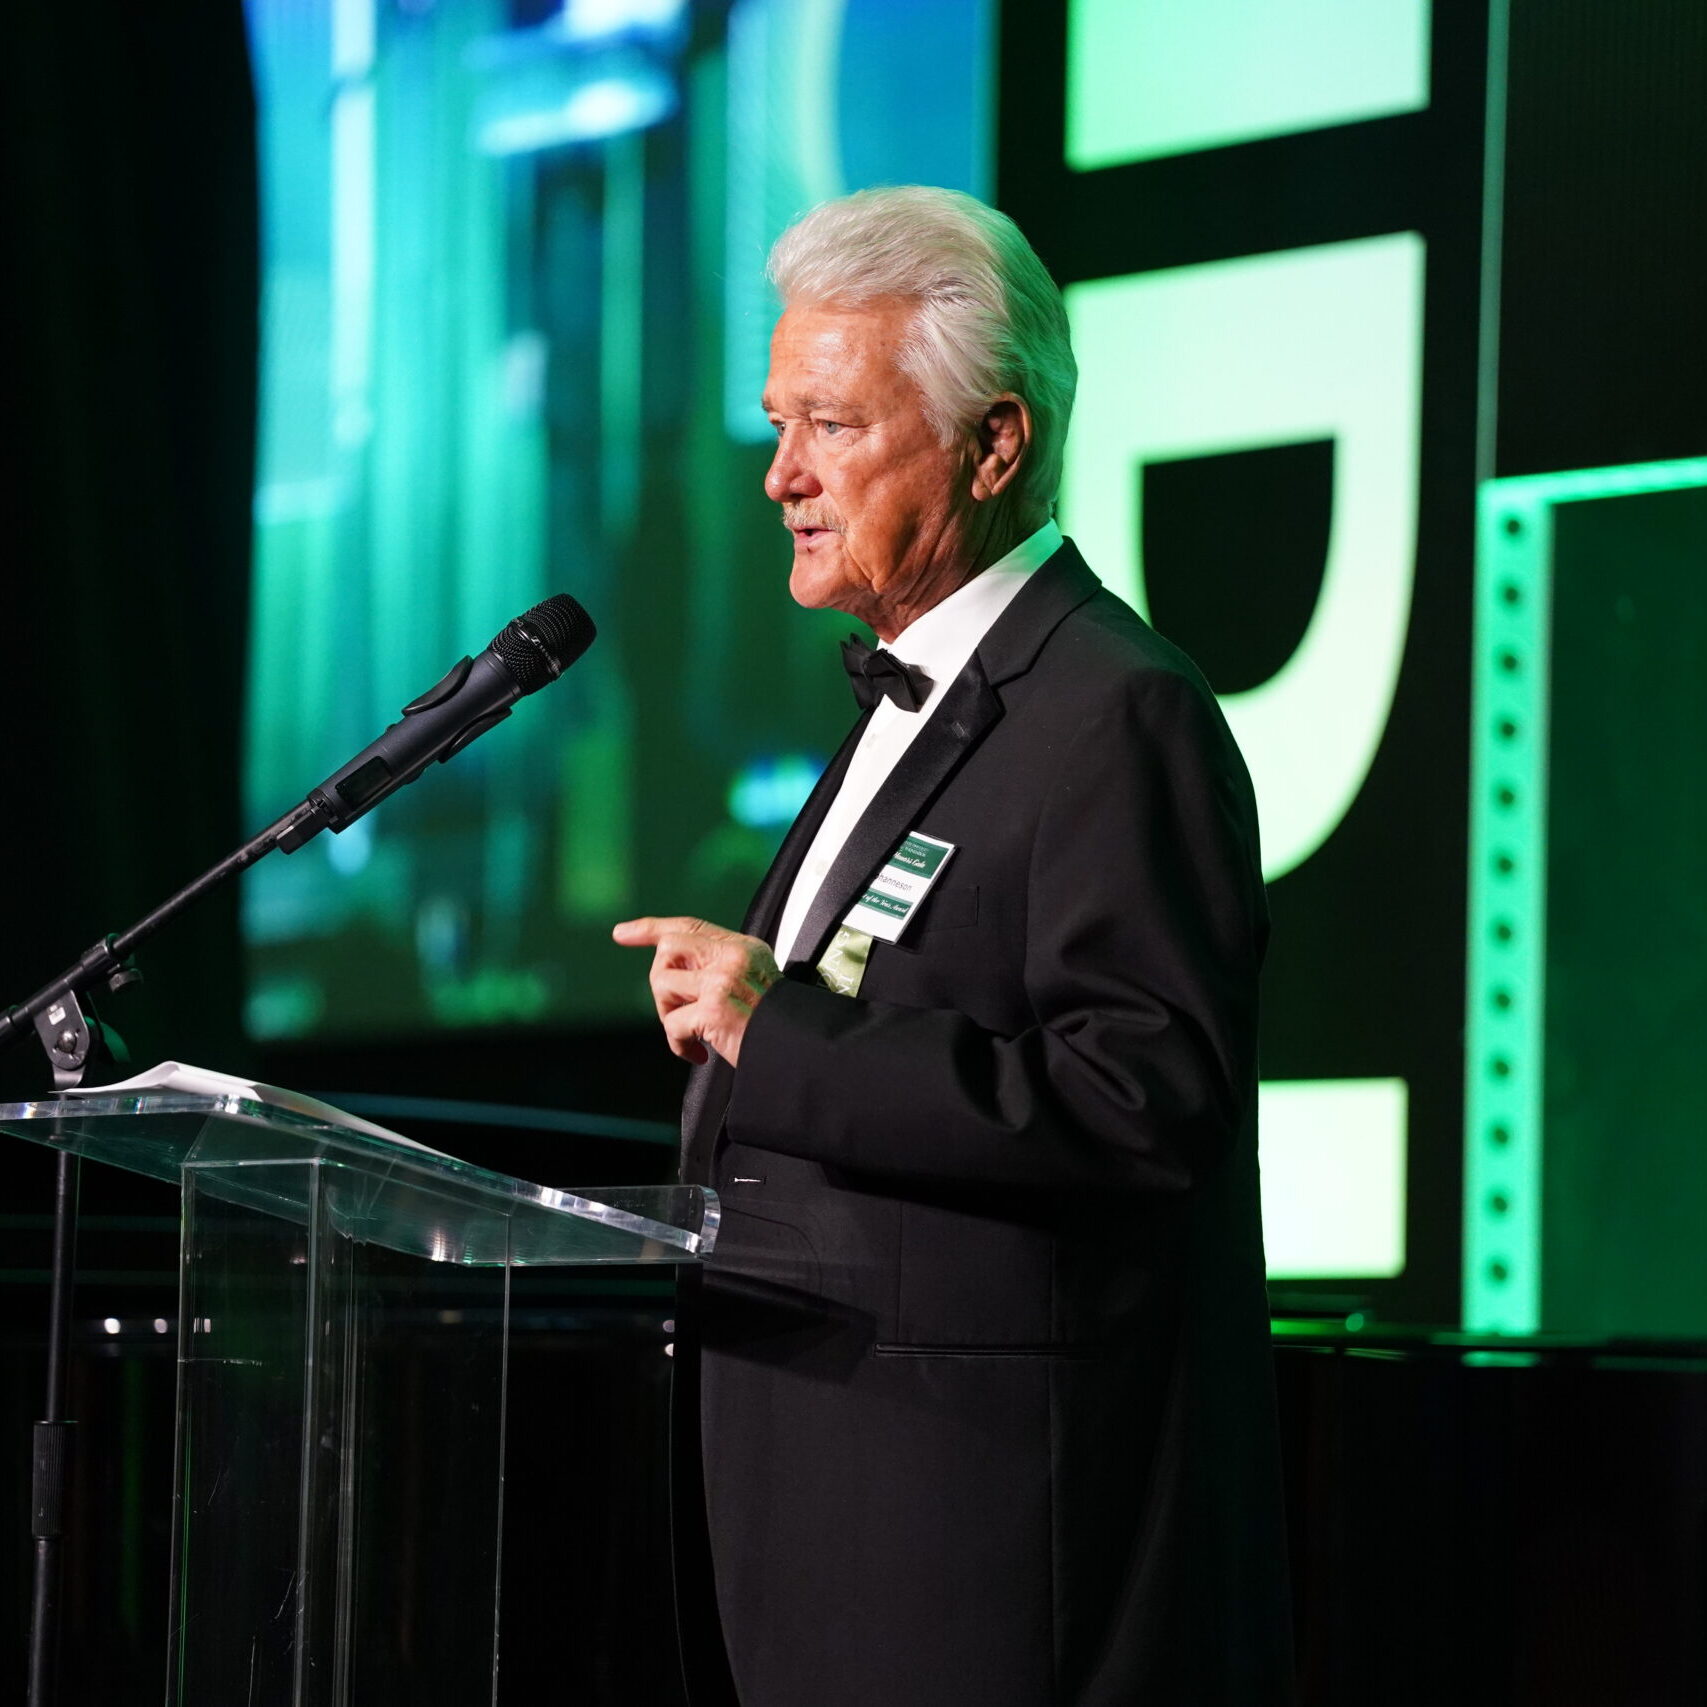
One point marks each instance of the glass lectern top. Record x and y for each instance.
(381, 1190)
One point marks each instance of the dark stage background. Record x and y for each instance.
(243, 529)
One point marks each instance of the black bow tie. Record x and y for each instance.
(876, 674)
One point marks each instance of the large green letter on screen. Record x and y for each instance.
(1271, 349)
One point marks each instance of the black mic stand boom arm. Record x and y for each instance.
(58, 1011)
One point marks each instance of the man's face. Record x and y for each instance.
(880, 511)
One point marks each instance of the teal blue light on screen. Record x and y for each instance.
(471, 399)
(826, 96)
(769, 793)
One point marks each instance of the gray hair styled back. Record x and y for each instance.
(990, 319)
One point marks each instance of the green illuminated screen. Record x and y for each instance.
(1585, 995)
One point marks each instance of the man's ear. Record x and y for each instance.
(1002, 440)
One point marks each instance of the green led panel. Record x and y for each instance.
(1505, 1062)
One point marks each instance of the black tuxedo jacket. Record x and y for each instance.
(986, 1399)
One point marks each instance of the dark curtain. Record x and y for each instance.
(127, 382)
(129, 392)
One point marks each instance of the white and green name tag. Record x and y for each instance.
(888, 905)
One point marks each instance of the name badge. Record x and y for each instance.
(887, 907)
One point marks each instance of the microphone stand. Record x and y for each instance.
(534, 649)
(57, 1010)
(84, 1051)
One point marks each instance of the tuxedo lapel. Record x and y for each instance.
(1016, 637)
(966, 713)
(955, 727)
(968, 710)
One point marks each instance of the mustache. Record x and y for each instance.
(811, 516)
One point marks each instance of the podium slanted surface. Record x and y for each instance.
(343, 1333)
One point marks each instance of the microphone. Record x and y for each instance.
(476, 693)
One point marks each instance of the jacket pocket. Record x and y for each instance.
(766, 1249)
(949, 910)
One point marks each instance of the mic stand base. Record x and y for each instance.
(78, 1045)
(55, 1438)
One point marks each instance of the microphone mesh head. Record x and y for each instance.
(542, 643)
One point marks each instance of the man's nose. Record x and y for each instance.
(790, 474)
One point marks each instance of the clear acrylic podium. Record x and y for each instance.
(342, 1346)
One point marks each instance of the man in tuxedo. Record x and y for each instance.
(986, 1403)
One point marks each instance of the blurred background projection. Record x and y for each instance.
(515, 331)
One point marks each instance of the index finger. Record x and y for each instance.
(647, 933)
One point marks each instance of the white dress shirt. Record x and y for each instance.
(940, 642)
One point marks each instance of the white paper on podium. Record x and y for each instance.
(203, 1081)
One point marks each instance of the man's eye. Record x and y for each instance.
(831, 427)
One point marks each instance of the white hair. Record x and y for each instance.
(989, 320)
